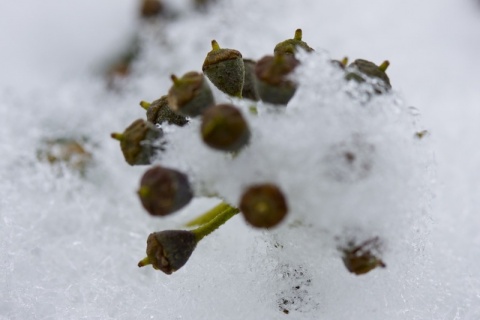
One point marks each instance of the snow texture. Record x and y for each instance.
(71, 240)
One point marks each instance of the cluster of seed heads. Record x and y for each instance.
(164, 191)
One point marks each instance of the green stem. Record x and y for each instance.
(208, 216)
(209, 227)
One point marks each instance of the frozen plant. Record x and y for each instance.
(316, 144)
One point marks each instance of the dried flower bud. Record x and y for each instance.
(263, 206)
(290, 46)
(370, 70)
(159, 112)
(272, 74)
(360, 259)
(139, 142)
(249, 90)
(224, 67)
(164, 191)
(169, 250)
(224, 128)
(190, 94)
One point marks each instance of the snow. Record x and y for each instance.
(71, 242)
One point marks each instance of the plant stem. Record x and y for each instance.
(212, 225)
(208, 216)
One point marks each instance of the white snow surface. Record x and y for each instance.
(71, 243)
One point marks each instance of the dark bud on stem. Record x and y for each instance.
(169, 250)
(190, 94)
(369, 69)
(249, 90)
(359, 259)
(263, 206)
(164, 191)
(224, 67)
(290, 46)
(159, 112)
(224, 128)
(139, 142)
(272, 73)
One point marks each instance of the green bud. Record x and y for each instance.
(359, 259)
(139, 142)
(224, 128)
(164, 191)
(272, 73)
(159, 112)
(290, 46)
(369, 69)
(190, 94)
(224, 67)
(263, 205)
(169, 250)
(249, 90)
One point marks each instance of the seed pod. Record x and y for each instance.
(190, 94)
(272, 74)
(224, 128)
(139, 142)
(224, 67)
(164, 191)
(249, 90)
(159, 112)
(371, 70)
(290, 46)
(169, 250)
(360, 259)
(263, 206)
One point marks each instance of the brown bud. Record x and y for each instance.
(290, 46)
(139, 142)
(169, 250)
(224, 128)
(359, 259)
(224, 67)
(361, 68)
(263, 205)
(164, 191)
(151, 8)
(249, 90)
(273, 84)
(159, 112)
(190, 94)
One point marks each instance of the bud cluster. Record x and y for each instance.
(224, 128)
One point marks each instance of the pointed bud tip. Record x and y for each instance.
(298, 34)
(116, 136)
(215, 45)
(344, 61)
(384, 65)
(175, 79)
(144, 262)
(145, 104)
